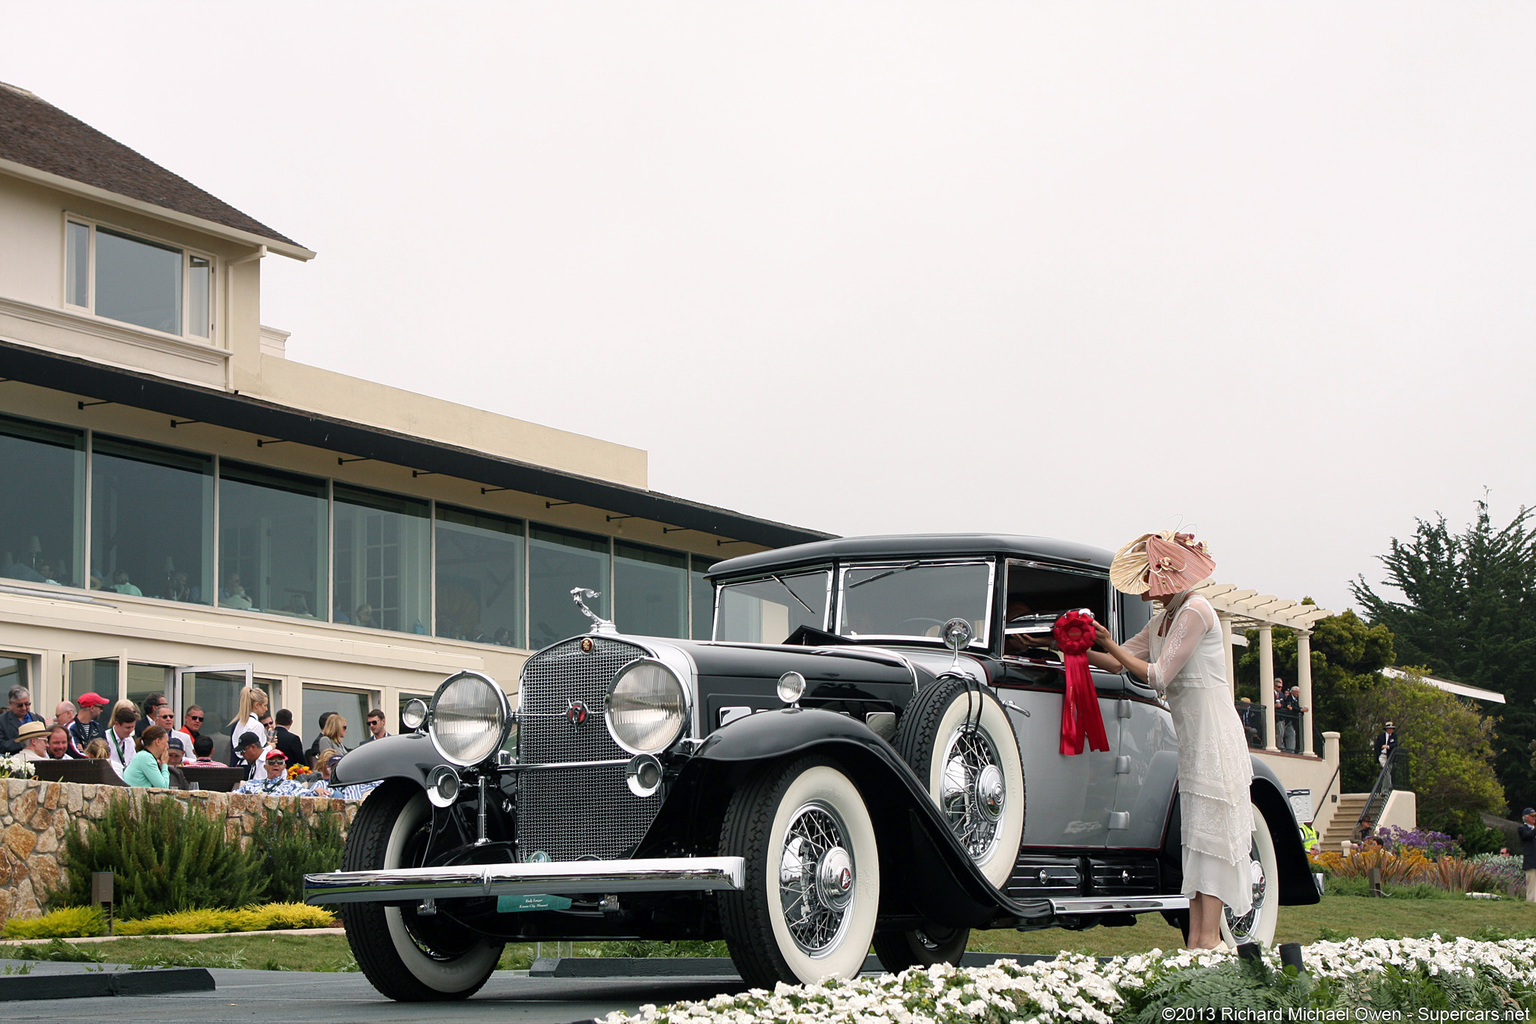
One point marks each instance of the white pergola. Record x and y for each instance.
(1239, 609)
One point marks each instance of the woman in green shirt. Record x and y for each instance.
(148, 766)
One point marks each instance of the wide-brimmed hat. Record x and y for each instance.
(31, 729)
(92, 700)
(1160, 564)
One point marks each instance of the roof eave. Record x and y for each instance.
(101, 195)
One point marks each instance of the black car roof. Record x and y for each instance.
(916, 545)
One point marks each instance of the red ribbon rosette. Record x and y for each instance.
(1080, 716)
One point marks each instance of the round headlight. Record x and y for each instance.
(647, 707)
(414, 713)
(469, 718)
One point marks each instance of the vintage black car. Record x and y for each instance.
(867, 754)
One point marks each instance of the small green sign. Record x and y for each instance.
(518, 904)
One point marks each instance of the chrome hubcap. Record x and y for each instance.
(1242, 927)
(817, 878)
(972, 791)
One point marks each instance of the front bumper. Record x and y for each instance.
(557, 878)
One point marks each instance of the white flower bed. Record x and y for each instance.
(1072, 987)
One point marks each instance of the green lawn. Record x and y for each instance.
(1336, 917)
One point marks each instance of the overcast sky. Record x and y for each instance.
(1081, 270)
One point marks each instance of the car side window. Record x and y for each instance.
(1043, 593)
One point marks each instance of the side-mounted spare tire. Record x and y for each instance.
(957, 738)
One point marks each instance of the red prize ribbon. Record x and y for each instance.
(1080, 716)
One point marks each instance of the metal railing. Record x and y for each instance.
(1394, 775)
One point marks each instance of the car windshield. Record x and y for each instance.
(915, 598)
(769, 609)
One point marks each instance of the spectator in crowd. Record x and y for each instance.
(332, 737)
(364, 616)
(1290, 703)
(274, 779)
(249, 747)
(58, 743)
(148, 765)
(64, 713)
(314, 746)
(14, 717)
(376, 727)
(123, 585)
(33, 737)
(175, 754)
(1527, 832)
(326, 786)
(85, 727)
(323, 765)
(98, 750)
(202, 750)
(269, 725)
(191, 728)
(152, 703)
(291, 746)
(165, 718)
(232, 594)
(253, 705)
(120, 739)
(1386, 744)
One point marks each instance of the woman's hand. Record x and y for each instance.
(1101, 635)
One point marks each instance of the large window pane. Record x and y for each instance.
(349, 704)
(199, 291)
(702, 597)
(144, 680)
(272, 541)
(650, 591)
(42, 536)
(138, 282)
(383, 555)
(151, 520)
(559, 560)
(14, 672)
(94, 675)
(77, 269)
(769, 610)
(479, 577)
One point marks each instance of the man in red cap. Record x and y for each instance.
(85, 727)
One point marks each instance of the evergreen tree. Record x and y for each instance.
(1468, 613)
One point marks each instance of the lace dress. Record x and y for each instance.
(1189, 666)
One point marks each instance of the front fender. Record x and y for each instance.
(394, 757)
(929, 871)
(1296, 885)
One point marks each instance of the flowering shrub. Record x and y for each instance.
(1404, 868)
(1506, 870)
(1408, 867)
(1374, 974)
(14, 766)
(1428, 842)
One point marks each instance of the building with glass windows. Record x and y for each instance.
(184, 509)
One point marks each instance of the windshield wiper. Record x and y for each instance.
(792, 593)
(888, 572)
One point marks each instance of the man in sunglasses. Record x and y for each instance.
(191, 728)
(14, 717)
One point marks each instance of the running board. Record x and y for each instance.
(662, 874)
(1075, 906)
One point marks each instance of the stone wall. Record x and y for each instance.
(36, 815)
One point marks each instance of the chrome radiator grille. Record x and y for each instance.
(577, 812)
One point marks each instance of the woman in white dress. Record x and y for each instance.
(1180, 654)
(253, 705)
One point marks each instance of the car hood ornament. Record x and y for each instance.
(581, 595)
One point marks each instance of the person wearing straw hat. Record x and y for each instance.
(33, 738)
(1180, 654)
